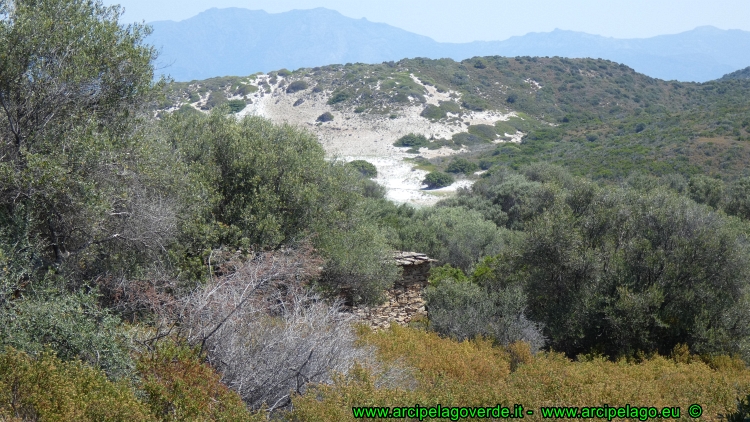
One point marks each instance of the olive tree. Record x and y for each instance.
(72, 81)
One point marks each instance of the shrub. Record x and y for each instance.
(706, 190)
(72, 325)
(432, 112)
(235, 106)
(187, 109)
(296, 86)
(338, 97)
(474, 373)
(215, 99)
(453, 235)
(464, 310)
(325, 117)
(450, 107)
(474, 103)
(365, 168)
(266, 333)
(245, 89)
(179, 385)
(461, 165)
(48, 389)
(484, 131)
(412, 140)
(284, 72)
(436, 180)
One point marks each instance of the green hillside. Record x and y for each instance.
(596, 118)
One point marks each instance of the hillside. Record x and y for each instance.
(740, 74)
(237, 41)
(595, 117)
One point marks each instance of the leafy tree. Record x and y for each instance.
(71, 81)
(457, 236)
(706, 190)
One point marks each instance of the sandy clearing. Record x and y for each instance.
(370, 137)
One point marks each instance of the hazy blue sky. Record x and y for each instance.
(470, 20)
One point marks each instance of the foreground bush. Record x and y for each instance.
(47, 389)
(474, 373)
(180, 386)
(266, 333)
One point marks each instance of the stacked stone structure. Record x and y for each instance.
(404, 301)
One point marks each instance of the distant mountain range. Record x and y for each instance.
(235, 41)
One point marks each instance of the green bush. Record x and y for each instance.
(412, 140)
(474, 103)
(432, 112)
(296, 86)
(464, 310)
(235, 106)
(365, 168)
(436, 180)
(187, 109)
(71, 325)
(462, 165)
(338, 97)
(284, 72)
(706, 190)
(452, 235)
(325, 117)
(485, 132)
(216, 99)
(245, 89)
(450, 107)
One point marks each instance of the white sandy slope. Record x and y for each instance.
(360, 136)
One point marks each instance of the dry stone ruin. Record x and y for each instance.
(404, 301)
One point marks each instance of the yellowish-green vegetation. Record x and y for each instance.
(478, 373)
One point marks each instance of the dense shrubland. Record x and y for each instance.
(189, 267)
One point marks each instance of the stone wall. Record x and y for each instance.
(404, 301)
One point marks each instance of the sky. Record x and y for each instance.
(487, 20)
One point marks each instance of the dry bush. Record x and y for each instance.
(265, 332)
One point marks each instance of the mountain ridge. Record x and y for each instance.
(237, 41)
